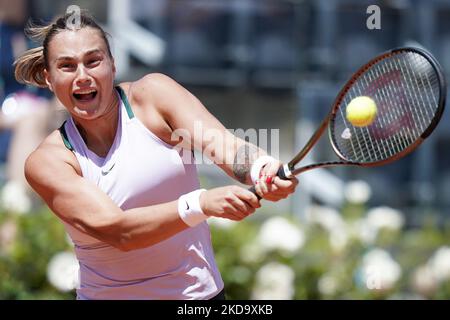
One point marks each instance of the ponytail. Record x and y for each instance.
(29, 68)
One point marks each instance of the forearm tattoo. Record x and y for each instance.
(243, 162)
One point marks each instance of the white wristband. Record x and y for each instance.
(258, 165)
(189, 208)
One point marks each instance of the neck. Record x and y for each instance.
(99, 133)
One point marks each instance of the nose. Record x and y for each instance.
(83, 78)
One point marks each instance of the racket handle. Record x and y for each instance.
(252, 189)
(281, 174)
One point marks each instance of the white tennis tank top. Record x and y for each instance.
(141, 170)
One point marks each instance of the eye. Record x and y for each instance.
(67, 66)
(93, 62)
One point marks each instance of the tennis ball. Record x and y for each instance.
(361, 111)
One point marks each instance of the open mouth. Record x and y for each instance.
(85, 96)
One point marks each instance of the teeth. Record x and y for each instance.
(85, 92)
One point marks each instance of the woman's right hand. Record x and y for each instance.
(230, 202)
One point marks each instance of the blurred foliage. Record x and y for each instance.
(322, 269)
(23, 261)
(410, 248)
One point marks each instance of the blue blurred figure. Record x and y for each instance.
(26, 113)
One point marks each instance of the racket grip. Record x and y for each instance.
(281, 174)
(252, 189)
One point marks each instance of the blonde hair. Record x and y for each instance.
(30, 66)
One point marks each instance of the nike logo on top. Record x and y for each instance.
(105, 172)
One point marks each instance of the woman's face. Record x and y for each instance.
(81, 73)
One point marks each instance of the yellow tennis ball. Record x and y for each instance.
(361, 111)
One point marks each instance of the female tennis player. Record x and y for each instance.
(131, 204)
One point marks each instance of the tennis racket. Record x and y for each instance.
(409, 90)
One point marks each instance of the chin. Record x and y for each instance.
(88, 110)
(87, 114)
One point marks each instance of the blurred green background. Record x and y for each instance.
(357, 253)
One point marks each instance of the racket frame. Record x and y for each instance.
(289, 170)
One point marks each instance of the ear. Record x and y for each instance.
(47, 80)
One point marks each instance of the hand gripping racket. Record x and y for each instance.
(409, 90)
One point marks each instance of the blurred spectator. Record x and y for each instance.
(26, 114)
(151, 15)
(275, 41)
(198, 33)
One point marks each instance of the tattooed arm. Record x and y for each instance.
(244, 157)
(185, 116)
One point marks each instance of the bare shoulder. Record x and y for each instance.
(154, 99)
(163, 106)
(156, 89)
(53, 146)
(156, 81)
(48, 156)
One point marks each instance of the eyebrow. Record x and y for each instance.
(87, 53)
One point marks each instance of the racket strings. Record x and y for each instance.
(405, 88)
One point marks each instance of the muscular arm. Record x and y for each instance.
(54, 173)
(186, 115)
(87, 208)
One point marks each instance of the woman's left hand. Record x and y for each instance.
(270, 187)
